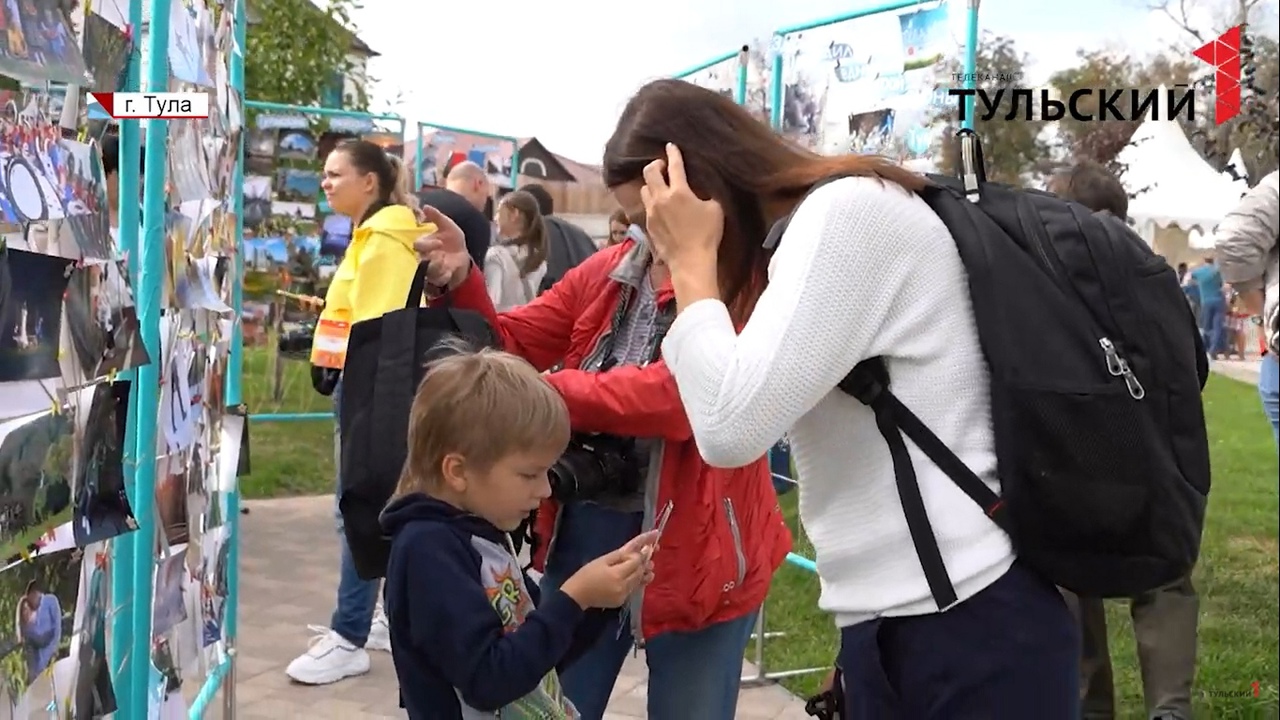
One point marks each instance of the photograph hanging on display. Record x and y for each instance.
(721, 77)
(40, 596)
(296, 145)
(31, 317)
(102, 508)
(37, 466)
(169, 607)
(261, 142)
(297, 185)
(37, 44)
(839, 75)
(442, 149)
(189, 38)
(106, 52)
(94, 695)
(103, 319)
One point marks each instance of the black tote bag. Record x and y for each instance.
(386, 359)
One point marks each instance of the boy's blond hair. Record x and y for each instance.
(483, 405)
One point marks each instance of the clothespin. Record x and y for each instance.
(24, 554)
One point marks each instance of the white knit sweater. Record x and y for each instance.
(864, 269)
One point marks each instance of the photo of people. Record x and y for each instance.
(36, 466)
(37, 44)
(27, 190)
(40, 595)
(31, 315)
(44, 177)
(103, 319)
(296, 145)
(295, 185)
(870, 131)
(102, 508)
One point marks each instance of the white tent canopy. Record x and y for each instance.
(1172, 183)
(1241, 176)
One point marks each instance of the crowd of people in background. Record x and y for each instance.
(668, 338)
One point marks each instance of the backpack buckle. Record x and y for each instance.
(868, 381)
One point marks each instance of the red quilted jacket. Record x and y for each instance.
(725, 535)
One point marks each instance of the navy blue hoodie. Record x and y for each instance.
(466, 638)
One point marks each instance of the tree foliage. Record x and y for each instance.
(1102, 141)
(1256, 130)
(1013, 148)
(295, 51)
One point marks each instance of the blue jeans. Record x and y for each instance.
(1269, 391)
(357, 599)
(691, 674)
(1213, 325)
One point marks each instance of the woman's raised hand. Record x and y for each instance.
(444, 251)
(682, 227)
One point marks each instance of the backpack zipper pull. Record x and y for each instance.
(1119, 367)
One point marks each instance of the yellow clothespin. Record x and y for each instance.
(111, 376)
(24, 554)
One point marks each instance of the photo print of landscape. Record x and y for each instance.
(70, 327)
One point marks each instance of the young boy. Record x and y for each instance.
(467, 639)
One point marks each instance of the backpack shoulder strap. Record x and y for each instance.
(868, 382)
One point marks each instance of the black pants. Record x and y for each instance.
(1011, 651)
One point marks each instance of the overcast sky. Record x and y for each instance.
(561, 70)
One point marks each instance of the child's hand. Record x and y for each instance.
(609, 580)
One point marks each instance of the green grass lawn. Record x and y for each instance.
(1236, 578)
(286, 458)
(1237, 575)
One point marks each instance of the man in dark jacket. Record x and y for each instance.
(462, 199)
(567, 244)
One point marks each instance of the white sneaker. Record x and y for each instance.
(379, 632)
(328, 659)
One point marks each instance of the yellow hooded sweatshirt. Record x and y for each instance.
(377, 269)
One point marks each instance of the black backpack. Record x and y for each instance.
(386, 359)
(567, 247)
(1096, 369)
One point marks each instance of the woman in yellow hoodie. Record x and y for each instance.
(362, 182)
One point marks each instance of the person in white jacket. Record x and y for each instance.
(1248, 256)
(515, 265)
(762, 339)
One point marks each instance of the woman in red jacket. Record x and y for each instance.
(723, 534)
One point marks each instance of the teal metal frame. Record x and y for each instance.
(744, 56)
(417, 149)
(237, 349)
(777, 89)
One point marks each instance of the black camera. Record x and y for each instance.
(595, 465)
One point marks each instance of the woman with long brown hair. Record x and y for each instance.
(763, 337)
(515, 265)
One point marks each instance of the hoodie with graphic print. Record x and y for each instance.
(470, 634)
